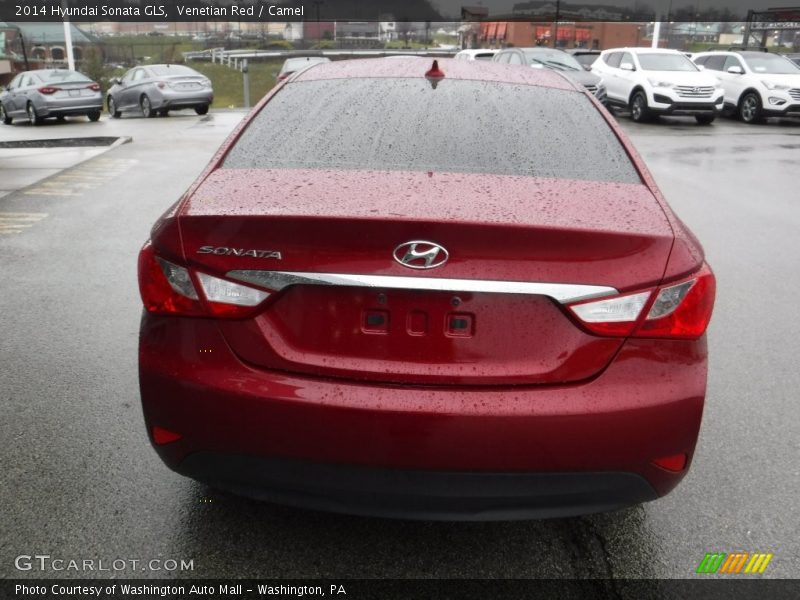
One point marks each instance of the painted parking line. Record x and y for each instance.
(88, 176)
(17, 222)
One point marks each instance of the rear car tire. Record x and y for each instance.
(750, 109)
(705, 119)
(3, 116)
(201, 110)
(640, 113)
(33, 116)
(147, 107)
(94, 116)
(112, 108)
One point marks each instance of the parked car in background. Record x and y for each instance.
(585, 56)
(292, 65)
(466, 300)
(657, 81)
(555, 60)
(46, 93)
(757, 84)
(476, 54)
(157, 89)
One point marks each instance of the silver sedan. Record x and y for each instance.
(157, 89)
(45, 93)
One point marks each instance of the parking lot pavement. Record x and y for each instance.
(79, 479)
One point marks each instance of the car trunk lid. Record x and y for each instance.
(326, 244)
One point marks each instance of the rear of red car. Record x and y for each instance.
(463, 300)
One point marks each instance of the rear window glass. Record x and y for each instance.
(61, 76)
(460, 127)
(164, 71)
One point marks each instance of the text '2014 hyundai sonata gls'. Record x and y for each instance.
(397, 290)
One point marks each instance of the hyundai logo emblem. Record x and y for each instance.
(420, 254)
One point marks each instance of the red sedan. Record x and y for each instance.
(429, 291)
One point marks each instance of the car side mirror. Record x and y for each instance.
(735, 70)
(627, 67)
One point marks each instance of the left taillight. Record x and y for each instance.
(168, 288)
(48, 89)
(679, 310)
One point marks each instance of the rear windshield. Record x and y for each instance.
(459, 127)
(61, 76)
(165, 71)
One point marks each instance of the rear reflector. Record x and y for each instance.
(674, 463)
(163, 436)
(679, 310)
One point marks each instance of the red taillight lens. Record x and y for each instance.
(678, 311)
(48, 90)
(168, 288)
(94, 87)
(682, 310)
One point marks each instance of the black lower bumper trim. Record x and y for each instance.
(417, 494)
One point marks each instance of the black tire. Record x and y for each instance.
(147, 107)
(33, 116)
(61, 118)
(705, 119)
(4, 117)
(750, 109)
(112, 108)
(201, 110)
(640, 113)
(94, 116)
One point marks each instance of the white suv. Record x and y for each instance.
(655, 81)
(757, 84)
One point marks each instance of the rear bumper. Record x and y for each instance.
(385, 449)
(177, 100)
(414, 494)
(74, 108)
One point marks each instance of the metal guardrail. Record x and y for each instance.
(227, 56)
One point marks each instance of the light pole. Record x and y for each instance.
(555, 28)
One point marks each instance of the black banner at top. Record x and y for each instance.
(392, 10)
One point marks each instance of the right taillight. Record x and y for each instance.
(170, 289)
(679, 310)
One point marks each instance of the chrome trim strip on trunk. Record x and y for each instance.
(561, 292)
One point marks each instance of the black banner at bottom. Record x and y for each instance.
(411, 589)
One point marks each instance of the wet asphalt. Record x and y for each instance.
(78, 479)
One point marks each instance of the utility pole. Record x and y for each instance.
(68, 39)
(246, 74)
(555, 28)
